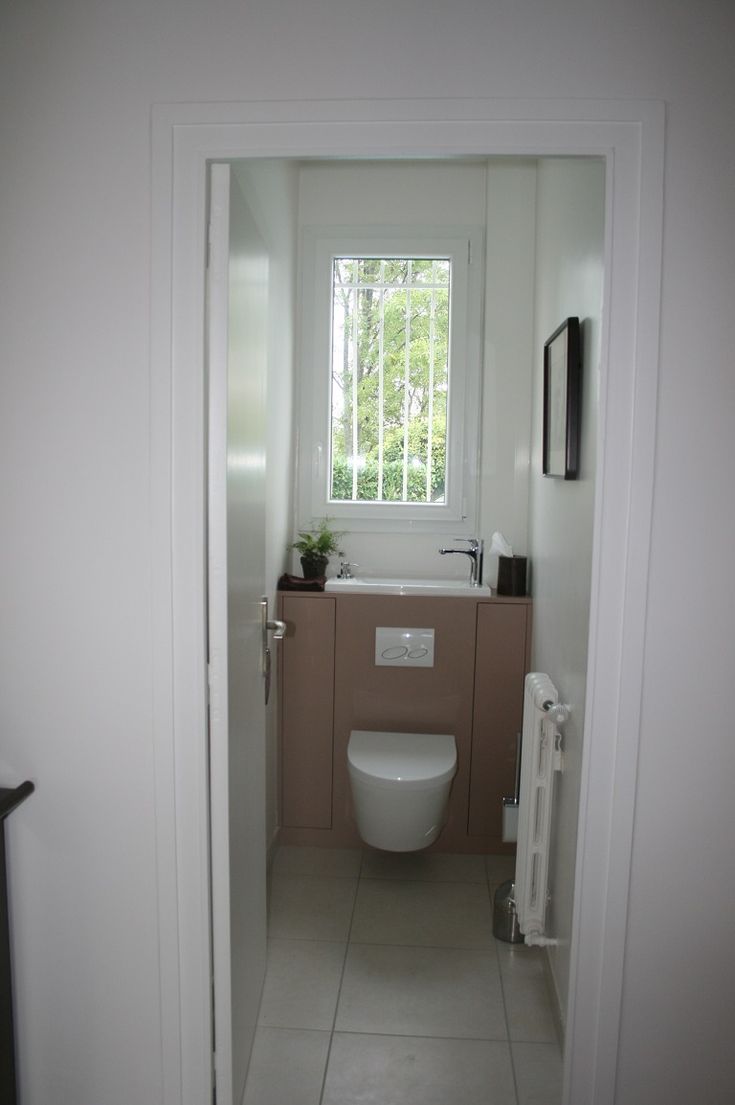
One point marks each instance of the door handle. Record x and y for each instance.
(267, 674)
(278, 629)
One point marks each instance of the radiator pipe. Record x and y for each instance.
(535, 940)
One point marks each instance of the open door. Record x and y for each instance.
(236, 347)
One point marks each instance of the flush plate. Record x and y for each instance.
(404, 647)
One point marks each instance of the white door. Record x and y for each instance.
(237, 329)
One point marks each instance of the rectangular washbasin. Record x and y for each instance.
(367, 585)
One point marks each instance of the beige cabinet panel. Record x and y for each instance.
(331, 685)
(307, 711)
(500, 667)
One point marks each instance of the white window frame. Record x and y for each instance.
(464, 246)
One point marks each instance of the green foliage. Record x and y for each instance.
(367, 483)
(319, 542)
(414, 337)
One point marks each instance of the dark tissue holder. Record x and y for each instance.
(511, 575)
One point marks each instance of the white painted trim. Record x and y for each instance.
(629, 134)
(179, 624)
(162, 625)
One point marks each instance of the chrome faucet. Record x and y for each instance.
(475, 553)
(345, 569)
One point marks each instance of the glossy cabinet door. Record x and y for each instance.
(503, 637)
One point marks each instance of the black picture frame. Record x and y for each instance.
(562, 386)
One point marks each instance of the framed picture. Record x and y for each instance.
(562, 379)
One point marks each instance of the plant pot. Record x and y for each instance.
(314, 569)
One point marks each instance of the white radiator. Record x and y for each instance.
(540, 759)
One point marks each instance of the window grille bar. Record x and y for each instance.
(432, 281)
(406, 381)
(430, 428)
(355, 316)
(381, 395)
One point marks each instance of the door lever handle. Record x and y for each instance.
(277, 628)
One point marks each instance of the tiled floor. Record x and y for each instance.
(385, 986)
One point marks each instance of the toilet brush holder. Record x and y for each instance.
(505, 918)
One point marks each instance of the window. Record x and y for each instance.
(390, 388)
(389, 379)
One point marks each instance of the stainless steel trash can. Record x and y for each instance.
(505, 920)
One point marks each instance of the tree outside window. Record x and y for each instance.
(389, 379)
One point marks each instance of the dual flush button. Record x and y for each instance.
(404, 647)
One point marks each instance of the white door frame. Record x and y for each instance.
(630, 136)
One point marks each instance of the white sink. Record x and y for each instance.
(367, 585)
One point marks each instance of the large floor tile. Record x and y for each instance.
(526, 992)
(455, 915)
(538, 1070)
(500, 869)
(309, 907)
(330, 862)
(401, 1070)
(423, 866)
(301, 983)
(421, 992)
(287, 1067)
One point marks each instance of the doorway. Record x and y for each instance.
(198, 134)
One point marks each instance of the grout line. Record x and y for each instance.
(390, 879)
(339, 989)
(281, 876)
(424, 882)
(491, 892)
(507, 1023)
(484, 950)
(306, 939)
(423, 1036)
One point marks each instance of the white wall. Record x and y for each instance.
(508, 354)
(498, 197)
(77, 81)
(570, 214)
(272, 190)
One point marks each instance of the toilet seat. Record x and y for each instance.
(401, 761)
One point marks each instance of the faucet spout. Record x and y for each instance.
(476, 554)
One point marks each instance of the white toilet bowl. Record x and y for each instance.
(400, 785)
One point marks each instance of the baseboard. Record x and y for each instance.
(272, 848)
(557, 1010)
(270, 856)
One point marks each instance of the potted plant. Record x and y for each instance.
(315, 547)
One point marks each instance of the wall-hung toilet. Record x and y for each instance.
(400, 785)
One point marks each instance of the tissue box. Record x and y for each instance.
(511, 575)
